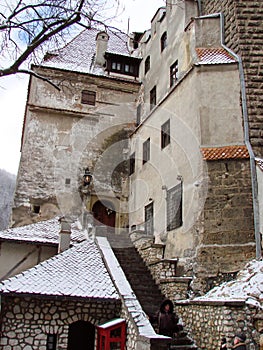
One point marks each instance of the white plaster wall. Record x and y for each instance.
(28, 254)
(192, 126)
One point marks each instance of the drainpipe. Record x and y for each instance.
(246, 134)
(199, 7)
(247, 141)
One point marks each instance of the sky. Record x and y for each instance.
(13, 89)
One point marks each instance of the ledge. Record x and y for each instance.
(171, 261)
(176, 280)
(211, 302)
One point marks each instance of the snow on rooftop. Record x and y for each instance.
(46, 232)
(248, 286)
(77, 272)
(79, 53)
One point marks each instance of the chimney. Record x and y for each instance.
(64, 234)
(102, 44)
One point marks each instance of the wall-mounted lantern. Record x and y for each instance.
(87, 177)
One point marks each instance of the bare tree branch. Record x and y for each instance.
(26, 26)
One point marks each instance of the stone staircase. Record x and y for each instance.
(142, 283)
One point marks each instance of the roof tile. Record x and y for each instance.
(217, 55)
(77, 272)
(226, 152)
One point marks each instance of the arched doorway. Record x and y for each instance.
(104, 213)
(81, 336)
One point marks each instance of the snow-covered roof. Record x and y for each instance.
(78, 272)
(215, 55)
(248, 287)
(46, 232)
(78, 55)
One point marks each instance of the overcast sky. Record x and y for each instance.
(13, 89)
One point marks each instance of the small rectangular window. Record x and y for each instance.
(51, 341)
(173, 73)
(153, 97)
(174, 207)
(148, 214)
(132, 164)
(165, 134)
(88, 97)
(147, 64)
(163, 41)
(138, 116)
(146, 151)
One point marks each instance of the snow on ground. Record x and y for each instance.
(247, 286)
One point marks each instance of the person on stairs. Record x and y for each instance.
(167, 320)
(239, 341)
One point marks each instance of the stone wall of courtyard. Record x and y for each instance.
(208, 322)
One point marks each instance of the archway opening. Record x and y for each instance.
(81, 336)
(104, 213)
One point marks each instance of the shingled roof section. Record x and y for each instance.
(217, 55)
(79, 272)
(226, 152)
(45, 232)
(78, 54)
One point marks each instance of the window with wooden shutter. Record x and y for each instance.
(174, 207)
(148, 213)
(88, 97)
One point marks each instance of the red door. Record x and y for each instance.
(104, 213)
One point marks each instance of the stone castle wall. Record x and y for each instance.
(208, 322)
(244, 35)
(26, 322)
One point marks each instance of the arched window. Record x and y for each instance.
(163, 41)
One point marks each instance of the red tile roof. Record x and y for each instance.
(217, 55)
(226, 152)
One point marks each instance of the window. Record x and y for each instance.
(174, 207)
(148, 214)
(132, 164)
(153, 98)
(163, 41)
(88, 97)
(173, 73)
(51, 341)
(122, 68)
(138, 116)
(147, 64)
(35, 209)
(146, 151)
(67, 181)
(165, 134)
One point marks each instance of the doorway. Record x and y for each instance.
(104, 213)
(81, 336)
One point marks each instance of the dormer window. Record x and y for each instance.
(163, 41)
(122, 64)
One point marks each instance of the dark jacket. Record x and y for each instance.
(167, 321)
(240, 346)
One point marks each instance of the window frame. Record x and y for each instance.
(173, 73)
(153, 97)
(132, 164)
(146, 151)
(165, 134)
(163, 41)
(52, 342)
(88, 97)
(147, 64)
(148, 220)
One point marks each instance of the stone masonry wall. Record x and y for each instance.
(227, 241)
(221, 319)
(26, 322)
(244, 35)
